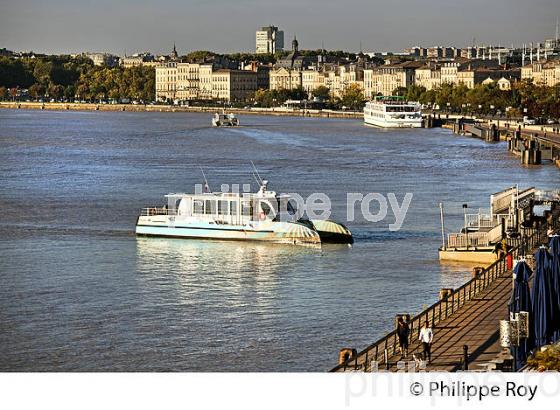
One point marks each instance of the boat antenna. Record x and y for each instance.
(206, 186)
(256, 179)
(259, 180)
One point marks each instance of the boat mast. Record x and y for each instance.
(206, 186)
(442, 226)
(256, 174)
(466, 225)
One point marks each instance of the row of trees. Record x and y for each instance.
(199, 56)
(524, 98)
(352, 97)
(74, 77)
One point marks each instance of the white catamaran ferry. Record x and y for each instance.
(393, 112)
(225, 120)
(261, 216)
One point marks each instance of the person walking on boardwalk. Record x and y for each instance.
(426, 337)
(402, 332)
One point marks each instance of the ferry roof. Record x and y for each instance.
(393, 100)
(389, 98)
(219, 194)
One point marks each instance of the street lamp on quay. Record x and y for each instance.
(465, 206)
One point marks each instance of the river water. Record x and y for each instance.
(79, 292)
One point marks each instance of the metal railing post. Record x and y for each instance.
(386, 357)
(433, 317)
(452, 302)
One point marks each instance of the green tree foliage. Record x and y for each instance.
(322, 93)
(246, 57)
(65, 76)
(414, 93)
(14, 73)
(271, 98)
(198, 56)
(353, 97)
(134, 83)
(548, 359)
(37, 90)
(55, 91)
(537, 100)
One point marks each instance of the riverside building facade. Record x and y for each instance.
(542, 72)
(203, 81)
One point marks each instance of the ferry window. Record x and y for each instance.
(209, 208)
(266, 208)
(234, 208)
(292, 207)
(247, 208)
(222, 207)
(198, 207)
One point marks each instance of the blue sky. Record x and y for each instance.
(59, 26)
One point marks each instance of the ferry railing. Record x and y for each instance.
(460, 240)
(157, 211)
(387, 346)
(482, 220)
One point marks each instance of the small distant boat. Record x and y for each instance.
(393, 112)
(225, 120)
(261, 216)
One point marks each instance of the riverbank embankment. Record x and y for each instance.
(278, 111)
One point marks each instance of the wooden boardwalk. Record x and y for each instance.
(475, 324)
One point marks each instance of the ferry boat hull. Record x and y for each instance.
(332, 232)
(281, 232)
(482, 255)
(393, 123)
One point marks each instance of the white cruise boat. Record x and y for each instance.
(393, 112)
(261, 216)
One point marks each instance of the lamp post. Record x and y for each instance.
(512, 331)
(466, 228)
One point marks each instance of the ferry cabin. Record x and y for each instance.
(224, 208)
